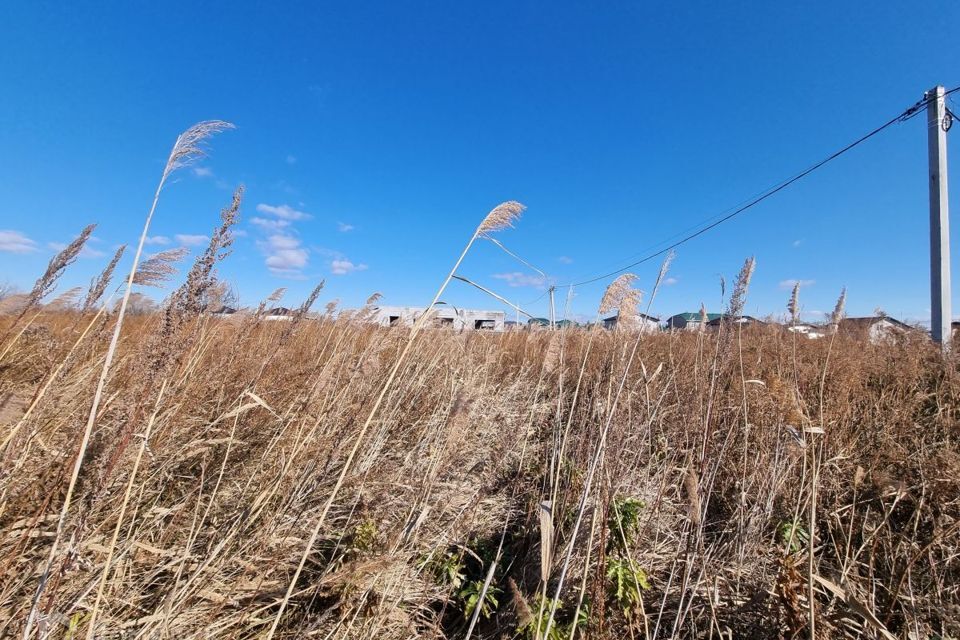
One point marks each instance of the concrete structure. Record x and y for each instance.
(642, 323)
(689, 321)
(938, 122)
(876, 329)
(441, 317)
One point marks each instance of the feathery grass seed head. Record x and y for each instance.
(158, 268)
(503, 216)
(190, 144)
(99, 285)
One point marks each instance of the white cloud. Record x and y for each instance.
(342, 266)
(797, 243)
(789, 284)
(670, 281)
(269, 224)
(157, 240)
(344, 227)
(565, 260)
(285, 255)
(16, 242)
(239, 233)
(291, 159)
(85, 252)
(203, 172)
(189, 240)
(284, 211)
(518, 279)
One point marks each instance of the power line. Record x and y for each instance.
(902, 117)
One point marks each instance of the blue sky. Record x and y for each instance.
(373, 137)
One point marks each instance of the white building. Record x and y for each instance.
(441, 317)
(808, 330)
(641, 322)
(877, 329)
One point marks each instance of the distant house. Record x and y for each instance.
(641, 322)
(743, 321)
(876, 329)
(440, 317)
(810, 331)
(279, 313)
(689, 321)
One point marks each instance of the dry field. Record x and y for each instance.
(176, 475)
(218, 444)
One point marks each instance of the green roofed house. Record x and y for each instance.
(690, 321)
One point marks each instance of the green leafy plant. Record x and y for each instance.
(447, 569)
(794, 535)
(364, 537)
(534, 628)
(624, 519)
(470, 594)
(625, 584)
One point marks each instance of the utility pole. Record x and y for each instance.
(553, 315)
(938, 122)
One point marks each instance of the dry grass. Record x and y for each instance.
(206, 475)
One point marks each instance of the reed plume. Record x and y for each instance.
(312, 298)
(661, 276)
(156, 270)
(99, 284)
(189, 298)
(616, 292)
(55, 269)
(191, 145)
(628, 309)
(793, 305)
(503, 216)
(739, 296)
(839, 311)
